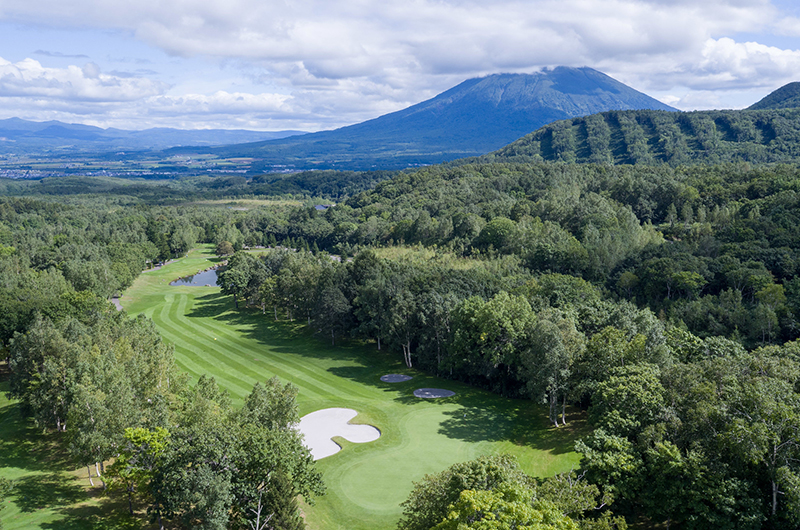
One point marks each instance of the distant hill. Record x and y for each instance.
(473, 118)
(54, 137)
(657, 137)
(786, 97)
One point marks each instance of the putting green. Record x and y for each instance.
(366, 482)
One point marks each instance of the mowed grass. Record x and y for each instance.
(366, 482)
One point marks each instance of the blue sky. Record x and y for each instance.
(316, 64)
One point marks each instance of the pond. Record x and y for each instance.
(204, 278)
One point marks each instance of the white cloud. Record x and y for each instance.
(724, 74)
(222, 103)
(28, 78)
(789, 26)
(326, 64)
(364, 34)
(725, 62)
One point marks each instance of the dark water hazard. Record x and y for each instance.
(205, 278)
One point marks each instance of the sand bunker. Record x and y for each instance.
(430, 393)
(319, 427)
(395, 378)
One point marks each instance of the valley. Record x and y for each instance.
(613, 299)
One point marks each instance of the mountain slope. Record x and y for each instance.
(475, 117)
(657, 137)
(786, 97)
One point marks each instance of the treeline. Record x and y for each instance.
(715, 426)
(107, 385)
(486, 322)
(328, 184)
(712, 247)
(110, 387)
(494, 491)
(652, 137)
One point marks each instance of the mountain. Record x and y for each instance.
(658, 137)
(786, 97)
(53, 137)
(472, 118)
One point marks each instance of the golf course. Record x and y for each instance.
(366, 482)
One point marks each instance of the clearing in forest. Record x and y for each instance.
(366, 481)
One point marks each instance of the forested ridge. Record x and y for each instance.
(654, 137)
(663, 300)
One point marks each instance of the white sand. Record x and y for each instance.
(395, 378)
(431, 393)
(319, 427)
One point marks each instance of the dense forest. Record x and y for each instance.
(660, 137)
(109, 387)
(664, 300)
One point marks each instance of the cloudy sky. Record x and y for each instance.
(320, 64)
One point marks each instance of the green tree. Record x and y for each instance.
(489, 336)
(267, 295)
(271, 405)
(629, 400)
(627, 283)
(401, 324)
(497, 233)
(371, 308)
(43, 366)
(224, 248)
(281, 499)
(546, 361)
(242, 278)
(6, 487)
(764, 429)
(430, 498)
(133, 469)
(193, 482)
(606, 350)
(508, 507)
(333, 312)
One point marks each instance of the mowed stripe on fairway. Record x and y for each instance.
(366, 482)
(235, 378)
(236, 357)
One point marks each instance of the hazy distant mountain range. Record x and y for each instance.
(473, 118)
(22, 136)
(766, 132)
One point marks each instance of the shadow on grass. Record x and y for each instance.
(46, 490)
(524, 425)
(108, 514)
(282, 337)
(484, 416)
(23, 445)
(45, 483)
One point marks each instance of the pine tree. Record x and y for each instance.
(281, 501)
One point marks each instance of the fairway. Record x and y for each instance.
(367, 481)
